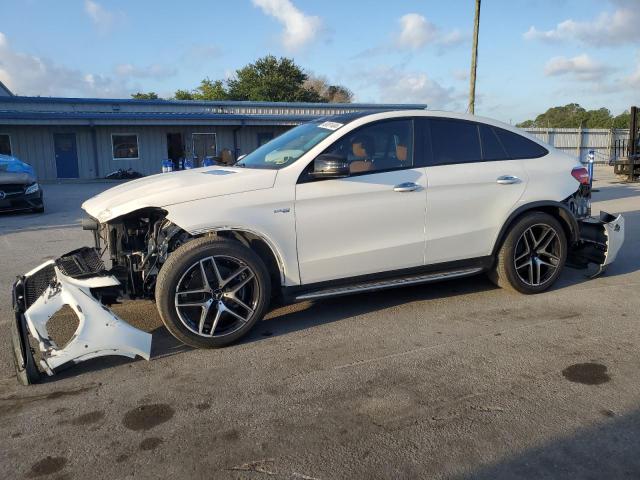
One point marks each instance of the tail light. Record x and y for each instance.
(581, 175)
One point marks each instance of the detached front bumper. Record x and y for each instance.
(78, 280)
(600, 241)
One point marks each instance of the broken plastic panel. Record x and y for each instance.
(71, 280)
(600, 241)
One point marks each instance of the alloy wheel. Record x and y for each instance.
(537, 255)
(216, 296)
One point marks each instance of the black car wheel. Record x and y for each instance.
(532, 255)
(212, 291)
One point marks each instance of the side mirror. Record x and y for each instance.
(330, 166)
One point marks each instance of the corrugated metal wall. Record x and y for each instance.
(578, 142)
(35, 145)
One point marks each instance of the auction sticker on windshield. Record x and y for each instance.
(331, 125)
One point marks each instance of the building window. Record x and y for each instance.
(125, 146)
(5, 144)
(264, 137)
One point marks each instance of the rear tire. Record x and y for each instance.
(220, 309)
(532, 254)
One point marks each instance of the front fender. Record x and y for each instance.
(269, 215)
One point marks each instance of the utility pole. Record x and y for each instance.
(474, 60)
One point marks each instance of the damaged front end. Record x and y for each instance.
(80, 281)
(136, 245)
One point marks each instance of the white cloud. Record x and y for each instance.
(299, 28)
(103, 19)
(156, 71)
(416, 31)
(633, 80)
(394, 85)
(581, 67)
(607, 29)
(453, 38)
(26, 74)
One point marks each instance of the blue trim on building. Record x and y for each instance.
(18, 115)
(222, 103)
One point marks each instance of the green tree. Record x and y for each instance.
(573, 115)
(269, 79)
(145, 96)
(623, 120)
(211, 90)
(183, 95)
(273, 80)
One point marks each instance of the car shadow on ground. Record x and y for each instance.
(608, 449)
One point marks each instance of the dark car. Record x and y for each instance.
(19, 188)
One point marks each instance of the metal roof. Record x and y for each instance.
(210, 103)
(98, 111)
(6, 89)
(162, 118)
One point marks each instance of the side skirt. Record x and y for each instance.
(385, 280)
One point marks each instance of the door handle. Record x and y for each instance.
(406, 187)
(507, 179)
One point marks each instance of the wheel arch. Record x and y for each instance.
(261, 245)
(558, 210)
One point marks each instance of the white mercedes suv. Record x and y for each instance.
(351, 203)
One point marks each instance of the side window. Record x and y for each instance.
(384, 145)
(518, 146)
(491, 147)
(454, 141)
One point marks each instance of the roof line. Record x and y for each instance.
(222, 103)
(4, 87)
(151, 116)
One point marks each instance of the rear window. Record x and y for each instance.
(518, 146)
(454, 141)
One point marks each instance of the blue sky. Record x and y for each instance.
(533, 54)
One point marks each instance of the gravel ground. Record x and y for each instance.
(454, 380)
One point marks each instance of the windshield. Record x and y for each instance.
(288, 147)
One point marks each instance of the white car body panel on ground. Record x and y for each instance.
(100, 332)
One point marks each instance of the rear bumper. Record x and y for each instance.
(76, 280)
(600, 241)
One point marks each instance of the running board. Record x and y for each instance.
(390, 283)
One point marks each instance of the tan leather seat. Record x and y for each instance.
(401, 152)
(359, 150)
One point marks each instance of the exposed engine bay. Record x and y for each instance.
(137, 245)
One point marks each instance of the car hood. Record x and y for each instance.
(21, 178)
(176, 187)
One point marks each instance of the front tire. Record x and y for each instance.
(212, 291)
(532, 255)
